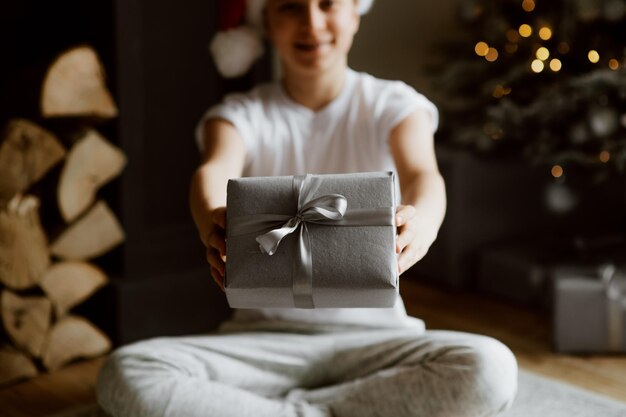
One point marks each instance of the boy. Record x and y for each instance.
(321, 117)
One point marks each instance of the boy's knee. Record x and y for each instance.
(477, 376)
(493, 383)
(110, 383)
(125, 370)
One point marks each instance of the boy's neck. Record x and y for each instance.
(315, 91)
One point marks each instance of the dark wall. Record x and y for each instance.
(166, 80)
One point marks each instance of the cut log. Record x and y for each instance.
(91, 162)
(24, 255)
(26, 155)
(68, 284)
(74, 86)
(92, 235)
(72, 338)
(14, 366)
(26, 320)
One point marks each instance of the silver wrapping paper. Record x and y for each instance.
(589, 314)
(353, 266)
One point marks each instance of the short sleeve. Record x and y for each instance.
(237, 109)
(396, 102)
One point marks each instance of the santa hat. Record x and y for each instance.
(239, 41)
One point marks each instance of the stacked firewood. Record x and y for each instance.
(44, 275)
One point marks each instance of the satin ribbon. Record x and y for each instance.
(329, 209)
(615, 288)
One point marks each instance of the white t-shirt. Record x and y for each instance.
(350, 134)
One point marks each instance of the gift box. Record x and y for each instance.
(312, 241)
(589, 310)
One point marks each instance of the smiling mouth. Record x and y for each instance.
(310, 46)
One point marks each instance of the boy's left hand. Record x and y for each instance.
(414, 237)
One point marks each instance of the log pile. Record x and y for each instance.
(44, 275)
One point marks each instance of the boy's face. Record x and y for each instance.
(312, 35)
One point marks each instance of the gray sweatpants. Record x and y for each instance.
(338, 372)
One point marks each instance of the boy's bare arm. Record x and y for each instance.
(423, 188)
(223, 158)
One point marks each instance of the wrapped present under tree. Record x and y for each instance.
(590, 310)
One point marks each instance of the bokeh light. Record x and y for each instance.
(542, 53)
(593, 56)
(545, 33)
(528, 5)
(537, 65)
(555, 64)
(525, 30)
(500, 91)
(492, 54)
(481, 48)
(605, 156)
(613, 64)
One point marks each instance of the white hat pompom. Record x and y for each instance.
(235, 50)
(365, 6)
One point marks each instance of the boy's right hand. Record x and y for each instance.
(215, 242)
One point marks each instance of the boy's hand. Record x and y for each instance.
(215, 242)
(414, 237)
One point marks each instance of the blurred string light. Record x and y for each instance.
(555, 64)
(613, 63)
(604, 156)
(557, 171)
(481, 48)
(593, 56)
(528, 5)
(492, 54)
(542, 53)
(537, 65)
(500, 91)
(545, 33)
(525, 30)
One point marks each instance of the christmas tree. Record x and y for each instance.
(541, 79)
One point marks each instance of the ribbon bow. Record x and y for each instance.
(326, 207)
(615, 288)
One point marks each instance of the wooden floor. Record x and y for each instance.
(50, 393)
(525, 331)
